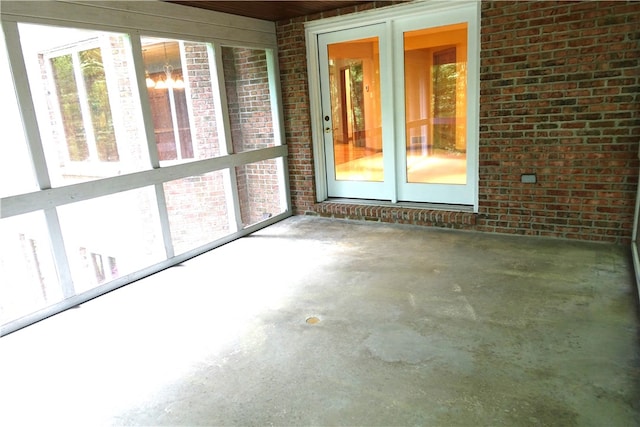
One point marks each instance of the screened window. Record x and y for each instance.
(84, 92)
(121, 147)
(182, 97)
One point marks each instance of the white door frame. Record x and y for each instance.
(391, 17)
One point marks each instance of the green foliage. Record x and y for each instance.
(73, 122)
(98, 97)
(69, 103)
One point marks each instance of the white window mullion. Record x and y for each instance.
(220, 99)
(315, 110)
(224, 135)
(147, 116)
(233, 200)
(278, 126)
(143, 96)
(163, 215)
(274, 95)
(195, 144)
(59, 252)
(25, 102)
(34, 141)
(387, 90)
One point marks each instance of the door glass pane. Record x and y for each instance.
(111, 236)
(354, 70)
(260, 191)
(178, 78)
(28, 279)
(435, 67)
(197, 208)
(83, 88)
(246, 80)
(16, 171)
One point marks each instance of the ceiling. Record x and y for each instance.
(269, 10)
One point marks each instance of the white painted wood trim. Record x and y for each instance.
(233, 199)
(163, 217)
(233, 202)
(390, 152)
(144, 104)
(283, 183)
(278, 127)
(148, 17)
(315, 110)
(52, 197)
(59, 253)
(473, 87)
(218, 87)
(375, 16)
(277, 118)
(25, 102)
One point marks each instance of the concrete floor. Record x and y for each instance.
(415, 326)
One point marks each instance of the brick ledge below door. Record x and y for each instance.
(396, 213)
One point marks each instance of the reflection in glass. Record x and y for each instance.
(435, 104)
(111, 236)
(83, 88)
(197, 208)
(28, 279)
(178, 80)
(69, 104)
(355, 109)
(98, 121)
(95, 84)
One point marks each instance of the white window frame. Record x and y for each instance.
(395, 17)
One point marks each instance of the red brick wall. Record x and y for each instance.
(197, 210)
(204, 115)
(560, 98)
(560, 95)
(249, 105)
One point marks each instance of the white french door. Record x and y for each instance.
(436, 141)
(359, 154)
(399, 108)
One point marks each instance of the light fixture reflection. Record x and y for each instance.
(168, 81)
